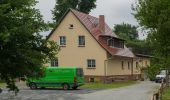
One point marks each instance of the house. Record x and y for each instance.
(142, 62)
(88, 42)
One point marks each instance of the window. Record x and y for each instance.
(122, 65)
(128, 65)
(91, 63)
(79, 72)
(54, 63)
(81, 40)
(116, 43)
(137, 65)
(62, 40)
(71, 26)
(91, 79)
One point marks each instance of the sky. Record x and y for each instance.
(115, 11)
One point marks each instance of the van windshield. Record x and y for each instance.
(80, 72)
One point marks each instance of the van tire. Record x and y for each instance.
(33, 86)
(66, 86)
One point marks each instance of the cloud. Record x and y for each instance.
(115, 11)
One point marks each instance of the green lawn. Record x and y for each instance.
(2, 84)
(166, 94)
(106, 86)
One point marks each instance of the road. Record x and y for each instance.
(140, 91)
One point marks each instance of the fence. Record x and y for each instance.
(158, 94)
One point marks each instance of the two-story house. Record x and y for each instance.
(88, 42)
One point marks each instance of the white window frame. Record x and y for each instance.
(54, 63)
(81, 40)
(62, 40)
(91, 63)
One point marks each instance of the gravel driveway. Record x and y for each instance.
(141, 91)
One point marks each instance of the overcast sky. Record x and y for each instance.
(115, 11)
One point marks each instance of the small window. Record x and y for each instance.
(128, 65)
(122, 65)
(81, 40)
(62, 40)
(54, 63)
(91, 63)
(71, 26)
(137, 65)
(91, 79)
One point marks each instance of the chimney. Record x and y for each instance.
(102, 24)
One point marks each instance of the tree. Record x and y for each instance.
(22, 50)
(63, 5)
(129, 33)
(154, 15)
(126, 30)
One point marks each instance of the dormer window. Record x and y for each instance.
(116, 43)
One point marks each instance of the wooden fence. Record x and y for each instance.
(158, 94)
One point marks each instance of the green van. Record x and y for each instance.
(66, 77)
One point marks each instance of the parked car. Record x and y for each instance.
(58, 77)
(161, 76)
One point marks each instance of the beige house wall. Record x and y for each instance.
(114, 66)
(72, 54)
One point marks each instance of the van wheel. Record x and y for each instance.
(66, 86)
(74, 88)
(33, 86)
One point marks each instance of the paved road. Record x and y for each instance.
(141, 91)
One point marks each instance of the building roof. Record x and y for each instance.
(143, 55)
(91, 24)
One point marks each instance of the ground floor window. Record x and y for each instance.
(91, 63)
(54, 63)
(91, 79)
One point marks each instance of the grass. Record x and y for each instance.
(166, 94)
(107, 86)
(2, 84)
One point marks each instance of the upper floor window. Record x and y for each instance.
(81, 40)
(116, 43)
(54, 63)
(91, 63)
(62, 40)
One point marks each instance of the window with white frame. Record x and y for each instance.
(81, 40)
(54, 63)
(62, 40)
(91, 63)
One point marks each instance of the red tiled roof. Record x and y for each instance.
(88, 21)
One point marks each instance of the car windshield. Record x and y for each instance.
(163, 72)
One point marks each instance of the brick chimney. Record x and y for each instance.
(102, 23)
